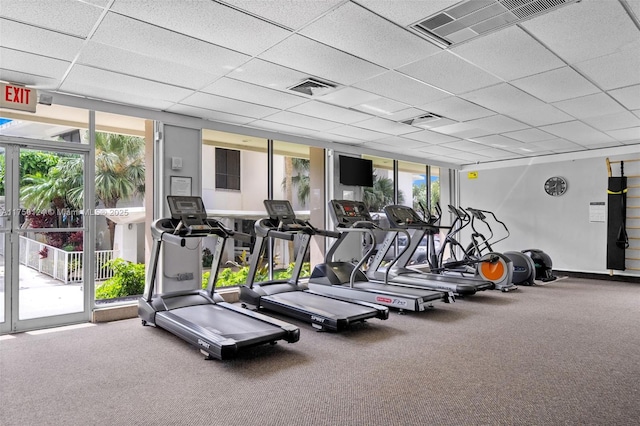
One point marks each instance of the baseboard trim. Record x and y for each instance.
(595, 276)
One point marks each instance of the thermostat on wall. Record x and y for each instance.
(176, 163)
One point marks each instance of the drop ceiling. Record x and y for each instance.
(564, 80)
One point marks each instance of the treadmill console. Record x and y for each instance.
(190, 213)
(345, 213)
(282, 216)
(404, 217)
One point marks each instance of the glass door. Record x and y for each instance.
(45, 233)
(4, 242)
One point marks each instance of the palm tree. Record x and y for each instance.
(119, 170)
(380, 194)
(297, 176)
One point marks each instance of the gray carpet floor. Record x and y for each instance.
(567, 353)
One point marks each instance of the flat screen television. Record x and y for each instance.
(356, 171)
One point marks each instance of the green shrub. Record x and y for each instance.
(228, 277)
(128, 280)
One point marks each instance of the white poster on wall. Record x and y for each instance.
(597, 211)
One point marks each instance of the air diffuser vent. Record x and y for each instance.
(422, 120)
(312, 87)
(473, 18)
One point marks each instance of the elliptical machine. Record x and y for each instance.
(523, 266)
(529, 265)
(490, 266)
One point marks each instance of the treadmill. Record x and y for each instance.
(290, 297)
(202, 317)
(406, 218)
(346, 280)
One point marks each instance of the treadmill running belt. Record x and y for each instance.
(229, 324)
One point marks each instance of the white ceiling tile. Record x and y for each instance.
(401, 88)
(430, 123)
(631, 134)
(337, 138)
(590, 106)
(386, 126)
(469, 157)
(457, 109)
(350, 96)
(462, 130)
(67, 16)
(528, 149)
(542, 115)
(557, 145)
(30, 39)
(496, 153)
(637, 113)
(406, 12)
(99, 3)
(578, 132)
(281, 127)
(599, 145)
(584, 30)
(405, 114)
(448, 72)
(319, 60)
(498, 141)
(329, 112)
(358, 133)
(616, 70)
(628, 96)
(248, 92)
(112, 94)
(300, 120)
(31, 80)
(497, 124)
(29, 63)
(440, 150)
(529, 135)
(357, 31)
(616, 121)
(509, 54)
(556, 85)
(503, 98)
(401, 142)
(208, 21)
(381, 107)
(267, 74)
(231, 106)
(430, 137)
(209, 114)
(126, 62)
(93, 77)
(290, 13)
(129, 34)
(465, 145)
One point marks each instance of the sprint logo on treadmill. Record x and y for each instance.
(204, 344)
(390, 301)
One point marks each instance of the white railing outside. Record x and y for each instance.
(65, 266)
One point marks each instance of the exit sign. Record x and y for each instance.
(18, 97)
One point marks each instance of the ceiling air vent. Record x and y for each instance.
(473, 18)
(423, 120)
(312, 87)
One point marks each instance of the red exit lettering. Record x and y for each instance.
(18, 95)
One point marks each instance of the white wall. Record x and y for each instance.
(558, 225)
